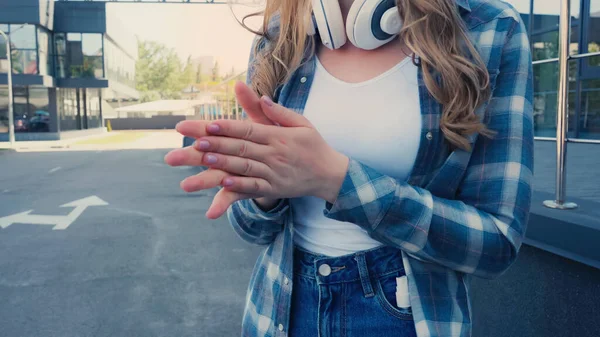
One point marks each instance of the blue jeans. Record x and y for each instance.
(348, 296)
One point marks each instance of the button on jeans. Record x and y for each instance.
(349, 296)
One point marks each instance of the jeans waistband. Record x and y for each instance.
(362, 265)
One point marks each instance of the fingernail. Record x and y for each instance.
(268, 101)
(210, 159)
(214, 128)
(202, 145)
(227, 182)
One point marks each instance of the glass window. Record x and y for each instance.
(120, 67)
(43, 45)
(3, 109)
(67, 108)
(93, 108)
(39, 120)
(4, 27)
(3, 55)
(593, 38)
(73, 37)
(24, 61)
(79, 55)
(92, 44)
(60, 45)
(22, 36)
(546, 98)
(589, 116)
(546, 20)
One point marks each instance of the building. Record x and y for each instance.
(542, 20)
(71, 63)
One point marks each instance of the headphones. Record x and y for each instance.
(369, 25)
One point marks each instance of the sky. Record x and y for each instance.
(192, 29)
(201, 29)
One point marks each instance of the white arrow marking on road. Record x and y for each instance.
(60, 222)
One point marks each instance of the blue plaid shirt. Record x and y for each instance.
(459, 214)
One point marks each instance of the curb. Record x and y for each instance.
(7, 151)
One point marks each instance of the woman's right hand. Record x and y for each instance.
(190, 156)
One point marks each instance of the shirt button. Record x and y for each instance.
(325, 270)
(303, 79)
(429, 136)
(280, 327)
(286, 281)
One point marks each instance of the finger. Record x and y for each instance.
(232, 146)
(247, 130)
(237, 165)
(222, 201)
(192, 128)
(248, 185)
(205, 180)
(250, 102)
(283, 116)
(187, 156)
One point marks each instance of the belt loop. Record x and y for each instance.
(363, 271)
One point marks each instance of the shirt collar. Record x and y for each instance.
(464, 4)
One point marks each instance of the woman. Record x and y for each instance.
(390, 170)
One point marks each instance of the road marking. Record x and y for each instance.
(60, 222)
(55, 169)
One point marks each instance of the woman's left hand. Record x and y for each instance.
(286, 161)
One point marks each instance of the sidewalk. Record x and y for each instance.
(115, 140)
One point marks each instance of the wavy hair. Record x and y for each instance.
(453, 71)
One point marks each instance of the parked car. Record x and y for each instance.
(40, 122)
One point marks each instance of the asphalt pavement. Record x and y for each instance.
(128, 254)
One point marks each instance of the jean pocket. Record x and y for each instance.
(385, 293)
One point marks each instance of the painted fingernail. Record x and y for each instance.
(268, 101)
(202, 145)
(210, 159)
(213, 128)
(227, 182)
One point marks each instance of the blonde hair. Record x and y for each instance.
(453, 71)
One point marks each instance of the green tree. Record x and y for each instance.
(199, 74)
(215, 71)
(188, 72)
(159, 70)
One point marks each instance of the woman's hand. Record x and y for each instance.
(250, 102)
(257, 160)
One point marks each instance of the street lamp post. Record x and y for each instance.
(11, 122)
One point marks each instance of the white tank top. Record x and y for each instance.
(377, 122)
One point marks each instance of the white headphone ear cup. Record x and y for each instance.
(363, 24)
(351, 19)
(330, 23)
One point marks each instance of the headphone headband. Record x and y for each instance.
(369, 24)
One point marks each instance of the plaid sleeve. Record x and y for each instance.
(253, 224)
(479, 232)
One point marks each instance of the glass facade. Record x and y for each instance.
(31, 109)
(30, 49)
(79, 108)
(120, 67)
(79, 55)
(3, 108)
(68, 109)
(542, 20)
(23, 41)
(94, 118)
